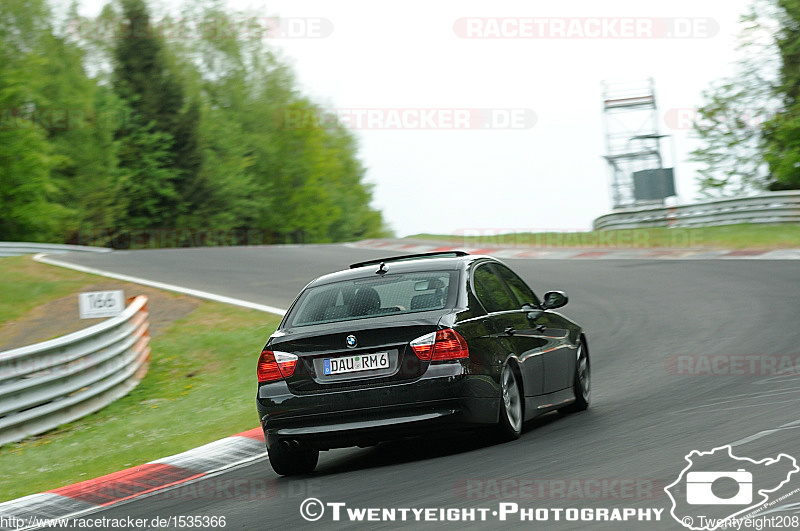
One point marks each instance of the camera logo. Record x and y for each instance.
(717, 487)
(699, 488)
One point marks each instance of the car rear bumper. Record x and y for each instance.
(446, 396)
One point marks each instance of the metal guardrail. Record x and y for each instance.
(772, 207)
(18, 248)
(47, 384)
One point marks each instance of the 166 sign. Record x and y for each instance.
(94, 304)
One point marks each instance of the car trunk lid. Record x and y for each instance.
(371, 352)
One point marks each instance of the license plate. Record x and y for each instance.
(362, 362)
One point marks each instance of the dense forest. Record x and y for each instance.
(115, 131)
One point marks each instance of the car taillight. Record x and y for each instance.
(444, 344)
(423, 346)
(275, 365)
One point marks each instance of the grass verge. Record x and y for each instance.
(25, 284)
(200, 387)
(762, 236)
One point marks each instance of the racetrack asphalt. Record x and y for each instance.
(644, 419)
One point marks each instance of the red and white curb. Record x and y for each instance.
(592, 253)
(88, 496)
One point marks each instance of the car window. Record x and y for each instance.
(372, 297)
(492, 292)
(518, 287)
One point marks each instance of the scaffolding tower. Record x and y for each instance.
(633, 142)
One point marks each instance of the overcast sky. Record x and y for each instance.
(387, 56)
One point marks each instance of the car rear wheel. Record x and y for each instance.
(291, 461)
(510, 424)
(581, 381)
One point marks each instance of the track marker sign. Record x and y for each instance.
(94, 304)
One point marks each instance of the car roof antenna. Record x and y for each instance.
(382, 269)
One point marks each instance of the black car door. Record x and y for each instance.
(509, 322)
(547, 327)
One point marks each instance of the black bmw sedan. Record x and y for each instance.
(400, 346)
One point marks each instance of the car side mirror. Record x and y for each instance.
(554, 299)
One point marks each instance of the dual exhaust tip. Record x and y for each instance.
(290, 444)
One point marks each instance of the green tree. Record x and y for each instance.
(306, 182)
(144, 81)
(28, 193)
(87, 175)
(26, 189)
(729, 124)
(782, 133)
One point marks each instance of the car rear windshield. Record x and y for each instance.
(362, 298)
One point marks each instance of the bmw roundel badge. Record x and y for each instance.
(351, 341)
